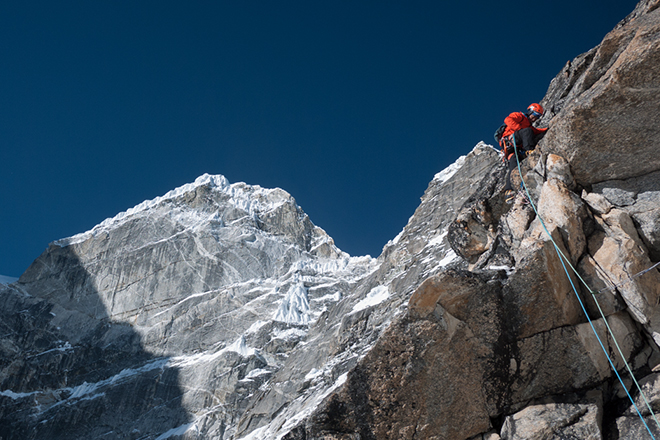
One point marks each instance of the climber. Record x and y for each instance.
(519, 125)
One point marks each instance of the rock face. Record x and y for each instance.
(219, 311)
(606, 101)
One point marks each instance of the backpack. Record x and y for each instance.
(498, 134)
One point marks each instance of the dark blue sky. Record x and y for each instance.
(350, 106)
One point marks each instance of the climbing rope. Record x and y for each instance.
(562, 259)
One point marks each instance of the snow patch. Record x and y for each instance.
(257, 434)
(256, 373)
(302, 415)
(313, 374)
(376, 296)
(15, 396)
(289, 334)
(67, 346)
(179, 430)
(449, 258)
(254, 328)
(238, 346)
(396, 239)
(437, 240)
(88, 390)
(507, 269)
(7, 280)
(334, 297)
(448, 172)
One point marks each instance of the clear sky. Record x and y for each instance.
(350, 106)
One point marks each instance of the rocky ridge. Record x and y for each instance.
(220, 311)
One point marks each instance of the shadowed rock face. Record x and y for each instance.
(72, 374)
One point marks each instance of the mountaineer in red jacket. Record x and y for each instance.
(519, 126)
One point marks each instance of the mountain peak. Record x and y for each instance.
(252, 199)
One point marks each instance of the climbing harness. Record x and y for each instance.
(563, 259)
(520, 194)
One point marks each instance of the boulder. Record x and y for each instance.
(597, 202)
(640, 198)
(558, 168)
(562, 208)
(597, 297)
(556, 421)
(620, 254)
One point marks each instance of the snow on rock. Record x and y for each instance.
(446, 174)
(448, 259)
(449, 172)
(239, 346)
(294, 308)
(7, 280)
(252, 199)
(376, 296)
(15, 396)
(179, 431)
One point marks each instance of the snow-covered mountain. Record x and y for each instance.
(230, 289)
(220, 311)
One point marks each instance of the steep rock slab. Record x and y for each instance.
(461, 182)
(607, 103)
(404, 387)
(454, 361)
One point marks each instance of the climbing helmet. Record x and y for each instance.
(535, 110)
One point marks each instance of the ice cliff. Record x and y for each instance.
(220, 311)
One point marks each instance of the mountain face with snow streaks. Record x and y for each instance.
(220, 311)
(208, 286)
(223, 297)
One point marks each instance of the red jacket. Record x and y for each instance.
(517, 121)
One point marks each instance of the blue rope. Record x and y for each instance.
(559, 254)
